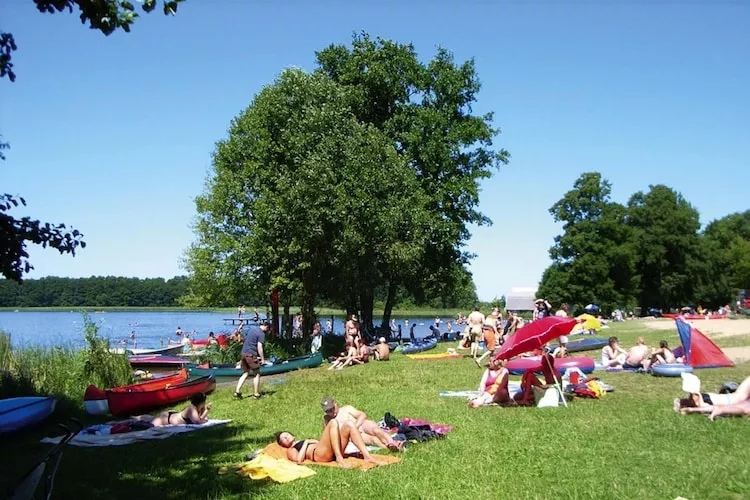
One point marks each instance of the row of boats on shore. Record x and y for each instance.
(193, 378)
(187, 379)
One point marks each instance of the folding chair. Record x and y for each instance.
(26, 487)
(551, 376)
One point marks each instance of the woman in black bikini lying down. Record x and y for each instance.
(330, 446)
(195, 413)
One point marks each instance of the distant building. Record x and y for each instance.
(521, 299)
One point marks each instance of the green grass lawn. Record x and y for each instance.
(629, 444)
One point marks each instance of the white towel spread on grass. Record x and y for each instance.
(135, 436)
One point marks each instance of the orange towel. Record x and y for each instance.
(276, 451)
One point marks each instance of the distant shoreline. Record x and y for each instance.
(323, 312)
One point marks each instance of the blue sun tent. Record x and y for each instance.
(700, 351)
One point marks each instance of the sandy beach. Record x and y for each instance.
(715, 329)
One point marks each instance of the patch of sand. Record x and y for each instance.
(714, 328)
(738, 354)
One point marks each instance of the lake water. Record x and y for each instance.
(152, 329)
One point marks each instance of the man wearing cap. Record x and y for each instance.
(252, 358)
(382, 351)
(372, 434)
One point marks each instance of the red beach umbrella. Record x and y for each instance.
(535, 335)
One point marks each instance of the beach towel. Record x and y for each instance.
(438, 355)
(276, 451)
(264, 466)
(459, 394)
(91, 440)
(513, 388)
(439, 428)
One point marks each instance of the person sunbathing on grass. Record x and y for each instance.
(532, 388)
(717, 405)
(328, 448)
(194, 413)
(371, 433)
(494, 377)
(348, 358)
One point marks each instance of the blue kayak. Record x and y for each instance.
(419, 347)
(588, 344)
(17, 413)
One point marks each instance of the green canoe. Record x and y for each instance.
(280, 366)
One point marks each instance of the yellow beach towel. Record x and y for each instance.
(437, 355)
(280, 470)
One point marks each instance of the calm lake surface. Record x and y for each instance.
(152, 329)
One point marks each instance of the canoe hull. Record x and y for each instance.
(164, 351)
(96, 401)
(588, 344)
(19, 413)
(149, 361)
(309, 361)
(133, 403)
(424, 346)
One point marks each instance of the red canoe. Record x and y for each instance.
(134, 403)
(96, 402)
(519, 366)
(222, 340)
(692, 317)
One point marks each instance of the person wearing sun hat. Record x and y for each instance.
(372, 434)
(542, 309)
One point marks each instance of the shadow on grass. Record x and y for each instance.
(185, 466)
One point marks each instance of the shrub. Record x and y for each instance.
(61, 371)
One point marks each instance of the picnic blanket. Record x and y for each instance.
(265, 466)
(276, 451)
(90, 440)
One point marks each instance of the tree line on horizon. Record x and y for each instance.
(117, 291)
(648, 253)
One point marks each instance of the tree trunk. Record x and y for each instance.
(366, 303)
(389, 301)
(287, 318)
(308, 312)
(274, 313)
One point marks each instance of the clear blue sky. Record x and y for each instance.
(114, 134)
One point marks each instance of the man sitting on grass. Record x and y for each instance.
(371, 432)
(382, 350)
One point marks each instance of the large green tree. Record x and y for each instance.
(106, 16)
(305, 199)
(594, 258)
(730, 237)
(425, 109)
(666, 228)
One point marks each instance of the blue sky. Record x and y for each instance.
(114, 134)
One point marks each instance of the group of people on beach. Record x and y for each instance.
(341, 425)
(356, 351)
(639, 357)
